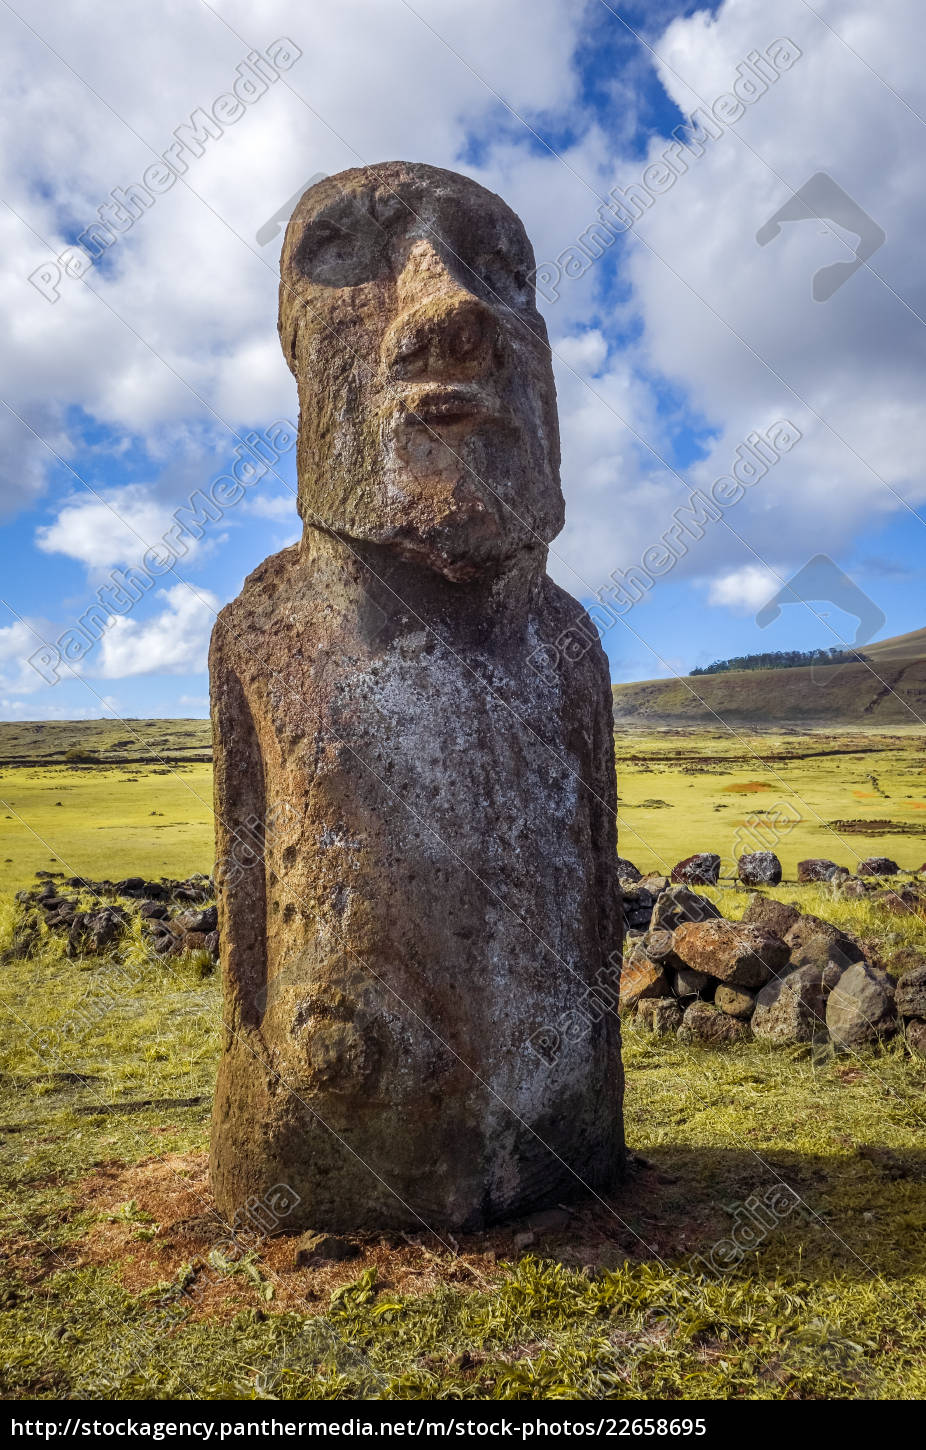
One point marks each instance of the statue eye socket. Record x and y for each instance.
(343, 248)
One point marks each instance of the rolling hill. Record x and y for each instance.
(889, 690)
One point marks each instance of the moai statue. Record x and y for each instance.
(420, 935)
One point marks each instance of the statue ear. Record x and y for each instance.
(288, 327)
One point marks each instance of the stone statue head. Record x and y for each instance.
(427, 404)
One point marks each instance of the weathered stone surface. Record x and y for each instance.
(877, 866)
(735, 1001)
(637, 905)
(852, 887)
(915, 1034)
(627, 871)
(792, 1009)
(910, 993)
(816, 868)
(705, 1025)
(414, 776)
(677, 904)
(907, 901)
(741, 956)
(861, 1008)
(688, 983)
(641, 978)
(759, 868)
(659, 946)
(813, 942)
(654, 883)
(702, 869)
(660, 1015)
(778, 917)
(94, 932)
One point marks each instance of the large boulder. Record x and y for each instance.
(641, 978)
(877, 866)
(910, 994)
(861, 1009)
(702, 869)
(676, 905)
(660, 1015)
(816, 868)
(778, 917)
(705, 1026)
(791, 1009)
(741, 956)
(759, 868)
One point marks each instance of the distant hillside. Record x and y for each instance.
(889, 690)
(46, 742)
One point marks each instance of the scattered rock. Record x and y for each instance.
(654, 883)
(741, 956)
(852, 887)
(759, 868)
(735, 1001)
(199, 921)
(658, 946)
(322, 1248)
(659, 1015)
(816, 868)
(154, 911)
(813, 943)
(689, 983)
(791, 1009)
(908, 901)
(93, 932)
(861, 1008)
(676, 904)
(915, 1034)
(704, 1025)
(877, 866)
(627, 871)
(641, 978)
(910, 993)
(702, 869)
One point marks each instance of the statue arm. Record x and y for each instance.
(240, 821)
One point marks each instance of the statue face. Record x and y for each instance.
(428, 409)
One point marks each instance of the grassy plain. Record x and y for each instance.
(843, 795)
(110, 1284)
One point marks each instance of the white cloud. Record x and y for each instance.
(744, 590)
(17, 642)
(174, 642)
(114, 528)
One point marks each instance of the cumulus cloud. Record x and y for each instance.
(744, 590)
(173, 642)
(114, 528)
(17, 642)
(685, 336)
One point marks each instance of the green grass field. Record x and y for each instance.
(110, 1284)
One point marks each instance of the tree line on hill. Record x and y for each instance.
(782, 659)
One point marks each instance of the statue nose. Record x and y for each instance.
(452, 332)
(442, 329)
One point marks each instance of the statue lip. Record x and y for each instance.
(446, 403)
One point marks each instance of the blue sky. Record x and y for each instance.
(670, 349)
